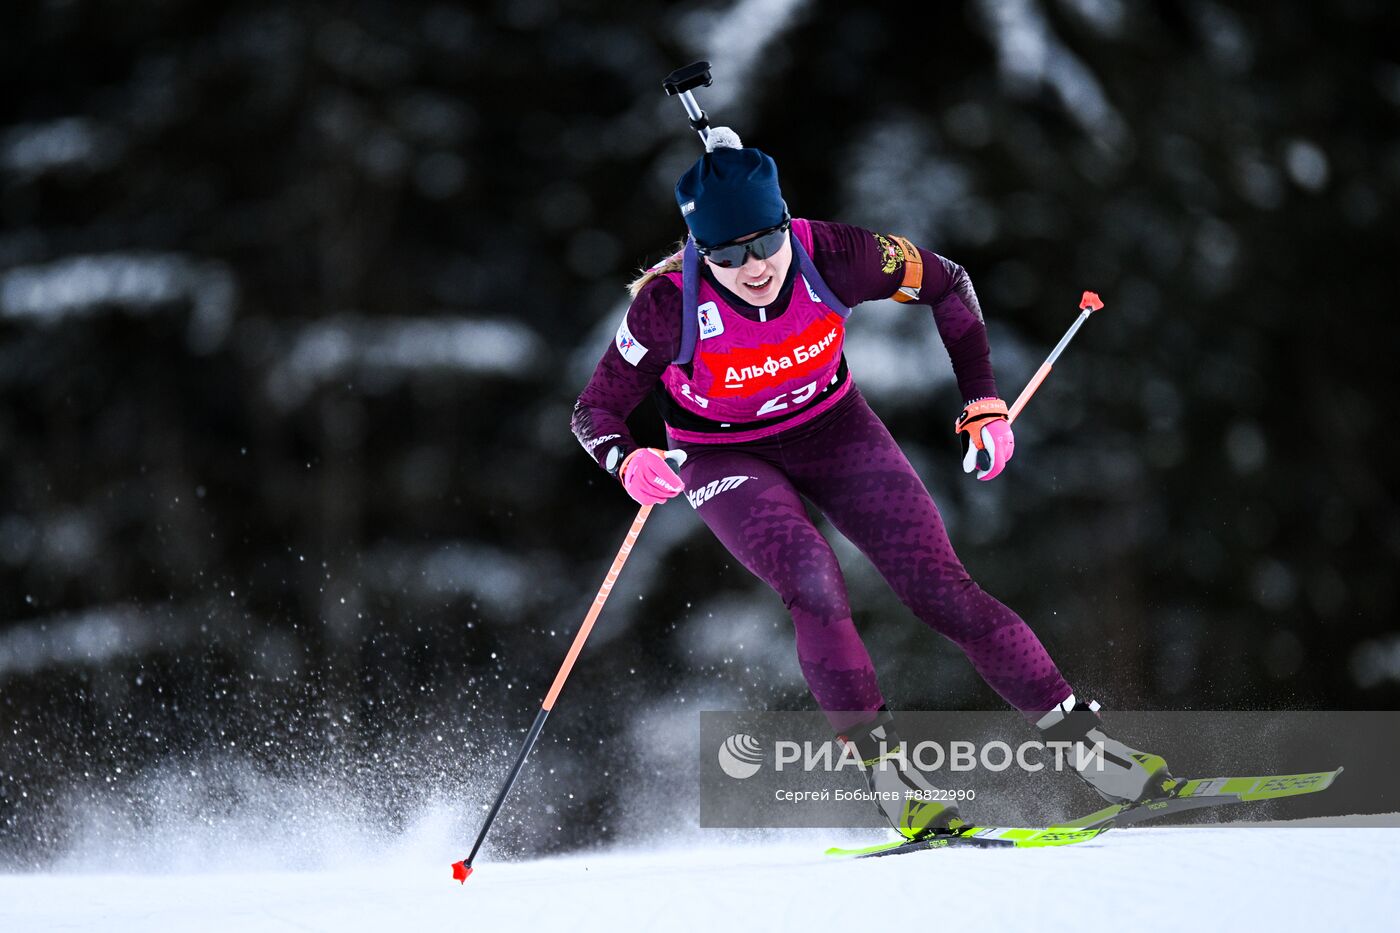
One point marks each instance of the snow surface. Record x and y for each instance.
(1211, 878)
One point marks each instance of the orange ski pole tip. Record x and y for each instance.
(460, 871)
(1090, 301)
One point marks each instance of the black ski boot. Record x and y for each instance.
(1120, 774)
(904, 796)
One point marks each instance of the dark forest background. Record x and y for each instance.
(295, 300)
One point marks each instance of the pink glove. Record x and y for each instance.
(987, 439)
(647, 476)
(999, 444)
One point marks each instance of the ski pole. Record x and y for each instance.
(1089, 302)
(680, 83)
(460, 870)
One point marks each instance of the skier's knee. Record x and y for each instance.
(818, 590)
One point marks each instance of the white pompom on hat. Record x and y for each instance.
(722, 137)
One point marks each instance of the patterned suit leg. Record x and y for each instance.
(855, 472)
(752, 508)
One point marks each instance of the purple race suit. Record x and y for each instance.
(768, 413)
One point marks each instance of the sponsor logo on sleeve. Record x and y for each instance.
(632, 351)
(687, 208)
(711, 324)
(591, 445)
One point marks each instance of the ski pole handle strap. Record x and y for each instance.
(976, 412)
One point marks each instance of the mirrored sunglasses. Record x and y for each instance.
(729, 255)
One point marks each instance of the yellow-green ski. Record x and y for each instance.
(1195, 793)
(985, 837)
(1184, 794)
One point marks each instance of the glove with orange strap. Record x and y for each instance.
(986, 437)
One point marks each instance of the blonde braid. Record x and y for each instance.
(671, 263)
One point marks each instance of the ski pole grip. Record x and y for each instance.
(676, 459)
(696, 74)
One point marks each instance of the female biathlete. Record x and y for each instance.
(738, 337)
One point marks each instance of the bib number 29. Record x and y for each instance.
(781, 401)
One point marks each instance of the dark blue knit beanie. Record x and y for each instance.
(728, 193)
